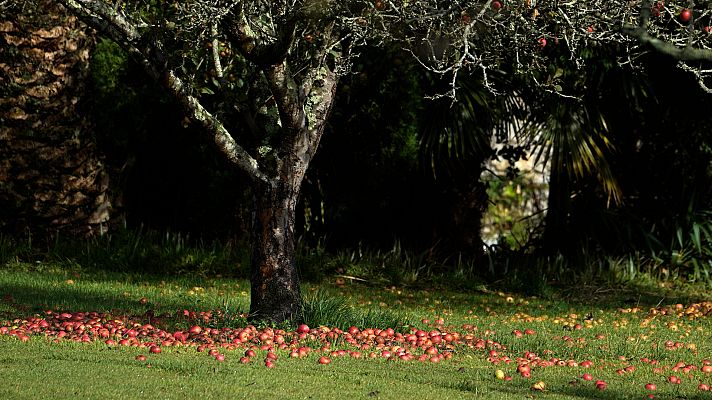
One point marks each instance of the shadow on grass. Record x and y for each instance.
(27, 293)
(489, 386)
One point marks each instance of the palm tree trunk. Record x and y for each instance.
(52, 178)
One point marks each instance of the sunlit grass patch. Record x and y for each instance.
(462, 338)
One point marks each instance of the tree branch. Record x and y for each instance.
(262, 54)
(683, 54)
(112, 23)
(284, 90)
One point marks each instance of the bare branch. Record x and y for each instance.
(216, 50)
(686, 53)
(105, 19)
(699, 74)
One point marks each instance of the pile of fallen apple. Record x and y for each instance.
(322, 343)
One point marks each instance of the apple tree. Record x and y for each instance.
(260, 76)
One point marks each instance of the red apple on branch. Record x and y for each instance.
(685, 15)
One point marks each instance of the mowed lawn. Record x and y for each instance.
(621, 340)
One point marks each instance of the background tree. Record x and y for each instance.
(273, 68)
(52, 179)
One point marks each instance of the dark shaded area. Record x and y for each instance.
(662, 161)
(169, 175)
(366, 184)
(371, 186)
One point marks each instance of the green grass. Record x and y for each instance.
(40, 368)
(92, 371)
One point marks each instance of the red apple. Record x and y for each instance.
(303, 328)
(220, 357)
(496, 5)
(542, 42)
(650, 386)
(685, 15)
(587, 377)
(141, 357)
(324, 360)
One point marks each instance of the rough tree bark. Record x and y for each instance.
(52, 178)
(275, 291)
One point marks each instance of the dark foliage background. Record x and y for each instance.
(373, 181)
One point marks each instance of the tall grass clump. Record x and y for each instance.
(140, 250)
(323, 309)
(397, 266)
(157, 252)
(18, 249)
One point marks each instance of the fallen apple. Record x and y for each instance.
(303, 328)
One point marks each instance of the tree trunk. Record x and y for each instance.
(52, 178)
(557, 236)
(275, 283)
(275, 292)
